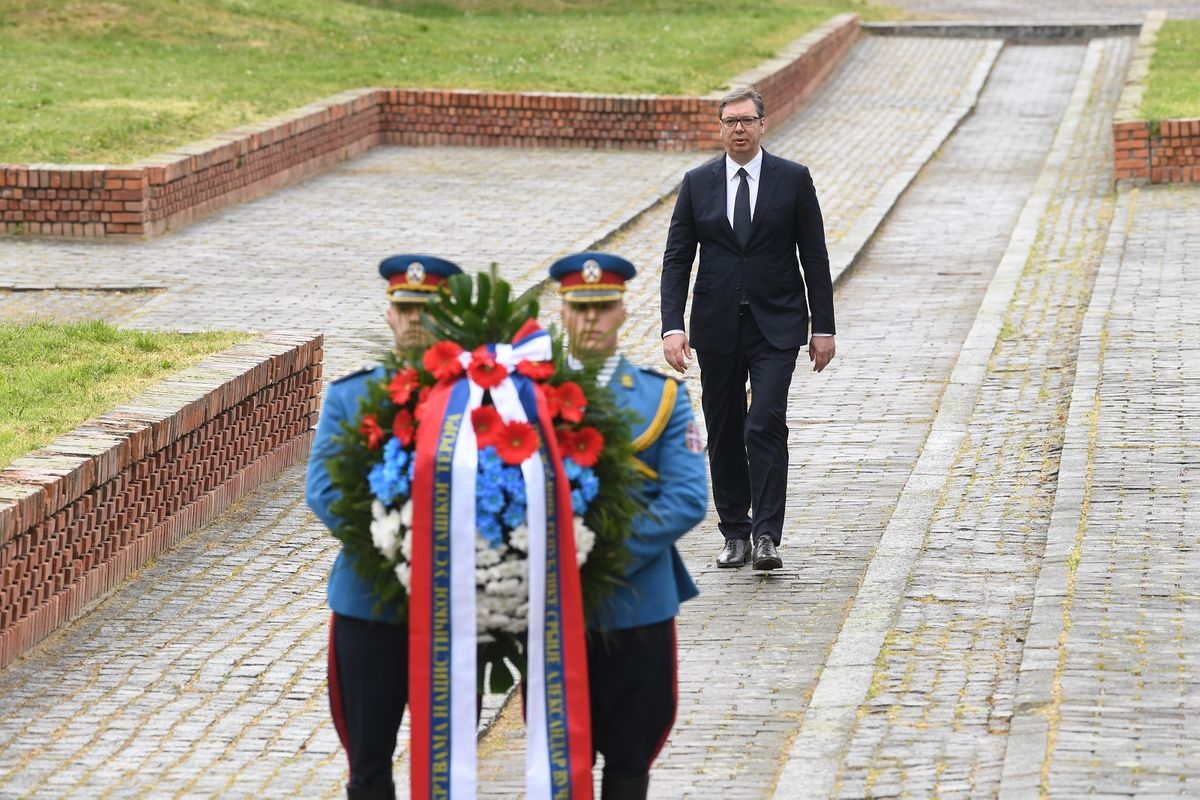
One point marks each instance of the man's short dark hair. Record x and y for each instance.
(743, 93)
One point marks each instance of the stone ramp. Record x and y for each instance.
(1107, 699)
(918, 692)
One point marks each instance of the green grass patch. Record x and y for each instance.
(53, 377)
(1173, 88)
(112, 82)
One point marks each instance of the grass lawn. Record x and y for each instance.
(111, 82)
(53, 377)
(1173, 89)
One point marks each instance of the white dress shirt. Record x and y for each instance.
(733, 181)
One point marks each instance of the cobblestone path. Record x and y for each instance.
(1107, 700)
(205, 673)
(937, 711)
(755, 644)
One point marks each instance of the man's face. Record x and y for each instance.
(405, 321)
(593, 327)
(741, 141)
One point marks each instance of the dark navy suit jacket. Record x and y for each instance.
(787, 220)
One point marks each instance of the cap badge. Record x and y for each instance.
(591, 271)
(415, 273)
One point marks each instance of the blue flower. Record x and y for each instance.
(383, 486)
(514, 515)
(589, 484)
(578, 504)
(490, 465)
(513, 483)
(489, 529)
(412, 469)
(393, 452)
(489, 499)
(571, 468)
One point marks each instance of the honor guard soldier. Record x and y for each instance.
(368, 647)
(631, 638)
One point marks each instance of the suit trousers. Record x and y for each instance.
(747, 446)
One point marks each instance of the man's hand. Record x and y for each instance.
(820, 351)
(677, 351)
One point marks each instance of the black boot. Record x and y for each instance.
(624, 787)
(387, 792)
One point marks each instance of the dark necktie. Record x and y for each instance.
(741, 210)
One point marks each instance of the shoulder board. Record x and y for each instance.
(662, 415)
(360, 371)
(658, 374)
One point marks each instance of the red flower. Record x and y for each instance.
(566, 439)
(370, 429)
(442, 360)
(402, 385)
(404, 427)
(422, 396)
(536, 370)
(572, 401)
(552, 403)
(488, 425)
(485, 370)
(585, 447)
(516, 441)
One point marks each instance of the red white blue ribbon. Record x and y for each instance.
(442, 631)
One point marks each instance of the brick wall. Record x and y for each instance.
(79, 515)
(1146, 152)
(172, 189)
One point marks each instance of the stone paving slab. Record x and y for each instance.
(755, 645)
(1107, 698)
(924, 705)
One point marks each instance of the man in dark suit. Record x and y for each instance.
(750, 213)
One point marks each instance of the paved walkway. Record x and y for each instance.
(988, 483)
(962, 551)
(1107, 703)
(212, 655)
(856, 432)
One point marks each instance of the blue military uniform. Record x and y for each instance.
(631, 648)
(348, 593)
(670, 456)
(368, 646)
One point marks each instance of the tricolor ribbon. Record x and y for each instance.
(442, 631)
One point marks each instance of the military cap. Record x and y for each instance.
(414, 278)
(592, 277)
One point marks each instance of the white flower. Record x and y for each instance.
(406, 546)
(406, 514)
(585, 540)
(485, 554)
(519, 538)
(403, 574)
(385, 527)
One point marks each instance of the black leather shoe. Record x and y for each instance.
(765, 554)
(734, 554)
